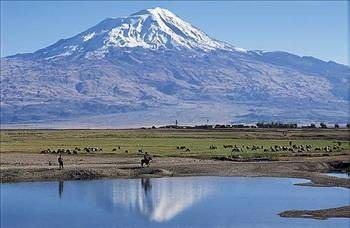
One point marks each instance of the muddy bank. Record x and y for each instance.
(339, 212)
(34, 167)
(77, 173)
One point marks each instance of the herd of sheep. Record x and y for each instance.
(234, 148)
(76, 150)
(277, 148)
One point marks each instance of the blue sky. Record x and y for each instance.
(318, 29)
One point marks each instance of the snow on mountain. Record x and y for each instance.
(152, 67)
(155, 29)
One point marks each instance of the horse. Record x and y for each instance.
(146, 161)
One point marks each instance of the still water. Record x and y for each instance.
(167, 202)
(339, 175)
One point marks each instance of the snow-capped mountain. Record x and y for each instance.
(152, 68)
(155, 29)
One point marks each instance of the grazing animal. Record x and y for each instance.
(236, 149)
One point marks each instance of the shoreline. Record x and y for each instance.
(21, 167)
(322, 214)
(18, 175)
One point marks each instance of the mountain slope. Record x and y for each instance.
(152, 61)
(156, 29)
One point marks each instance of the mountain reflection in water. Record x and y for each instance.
(167, 202)
(159, 201)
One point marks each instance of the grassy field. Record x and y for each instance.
(164, 142)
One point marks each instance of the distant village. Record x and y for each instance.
(257, 125)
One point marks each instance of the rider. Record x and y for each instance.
(146, 157)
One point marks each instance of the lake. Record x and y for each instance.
(339, 175)
(167, 202)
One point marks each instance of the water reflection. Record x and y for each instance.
(146, 184)
(167, 202)
(159, 200)
(60, 189)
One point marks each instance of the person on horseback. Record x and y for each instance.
(146, 159)
(146, 156)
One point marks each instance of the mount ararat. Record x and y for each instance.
(152, 67)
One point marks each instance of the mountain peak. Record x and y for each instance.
(155, 29)
(154, 11)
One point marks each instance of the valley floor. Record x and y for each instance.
(21, 160)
